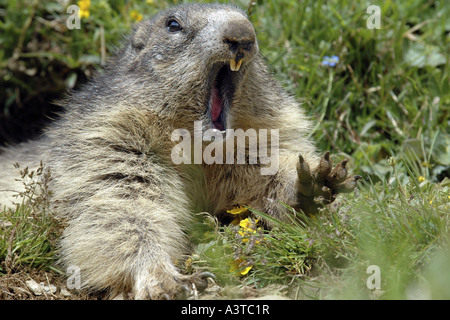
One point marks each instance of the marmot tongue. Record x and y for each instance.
(216, 109)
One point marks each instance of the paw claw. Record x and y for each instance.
(303, 171)
(201, 280)
(300, 158)
(165, 296)
(324, 167)
(338, 174)
(348, 185)
(206, 275)
(183, 292)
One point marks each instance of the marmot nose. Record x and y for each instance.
(239, 45)
(239, 49)
(239, 38)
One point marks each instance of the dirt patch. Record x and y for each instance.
(13, 286)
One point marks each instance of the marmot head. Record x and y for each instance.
(195, 57)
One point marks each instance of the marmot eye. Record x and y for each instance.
(173, 25)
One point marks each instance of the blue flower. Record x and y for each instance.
(331, 62)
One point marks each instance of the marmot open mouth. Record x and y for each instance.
(221, 96)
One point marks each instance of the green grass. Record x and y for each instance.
(400, 225)
(29, 231)
(385, 105)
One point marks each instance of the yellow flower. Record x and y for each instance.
(84, 8)
(426, 164)
(84, 4)
(246, 270)
(248, 224)
(150, 2)
(247, 229)
(188, 262)
(237, 210)
(421, 179)
(83, 14)
(245, 224)
(135, 15)
(237, 267)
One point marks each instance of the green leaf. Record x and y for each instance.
(420, 55)
(442, 149)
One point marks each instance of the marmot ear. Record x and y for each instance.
(140, 35)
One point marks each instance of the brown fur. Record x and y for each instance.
(126, 203)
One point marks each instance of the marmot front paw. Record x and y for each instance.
(320, 186)
(175, 286)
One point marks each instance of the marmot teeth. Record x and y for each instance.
(235, 66)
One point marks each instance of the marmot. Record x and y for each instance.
(126, 203)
